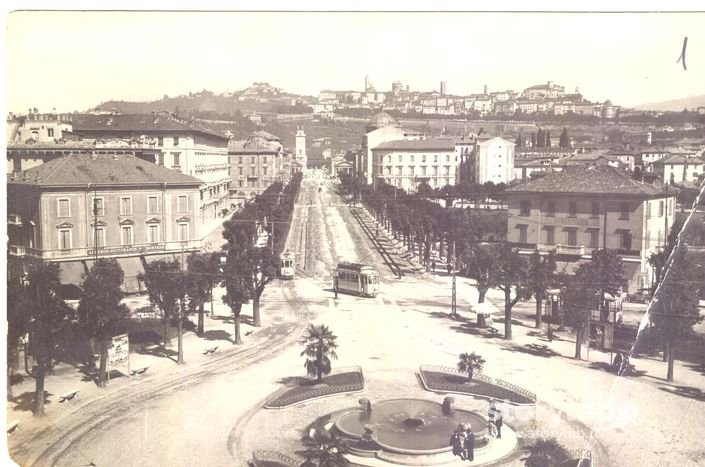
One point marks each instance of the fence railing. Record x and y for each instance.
(280, 400)
(262, 458)
(479, 377)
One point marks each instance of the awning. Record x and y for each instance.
(131, 267)
(630, 273)
(149, 259)
(71, 272)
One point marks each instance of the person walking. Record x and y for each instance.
(498, 423)
(433, 266)
(469, 445)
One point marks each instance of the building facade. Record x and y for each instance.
(186, 147)
(406, 164)
(679, 168)
(493, 161)
(580, 209)
(76, 208)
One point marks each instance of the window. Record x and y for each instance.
(522, 233)
(594, 237)
(183, 231)
(423, 158)
(264, 170)
(126, 235)
(625, 240)
(98, 207)
(240, 160)
(423, 170)
(435, 170)
(400, 157)
(153, 233)
(572, 237)
(447, 157)
(594, 209)
(175, 159)
(182, 203)
(160, 141)
(551, 209)
(389, 158)
(525, 208)
(252, 160)
(50, 132)
(239, 183)
(176, 140)
(624, 211)
(660, 208)
(648, 210)
(100, 239)
(125, 206)
(447, 170)
(159, 159)
(64, 207)
(412, 158)
(550, 235)
(573, 209)
(411, 170)
(152, 205)
(381, 159)
(65, 239)
(435, 158)
(239, 170)
(660, 238)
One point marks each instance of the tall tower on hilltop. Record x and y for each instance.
(301, 147)
(367, 83)
(443, 88)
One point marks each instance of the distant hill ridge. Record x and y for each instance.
(675, 105)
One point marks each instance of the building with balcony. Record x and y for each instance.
(254, 167)
(583, 208)
(185, 146)
(408, 163)
(80, 207)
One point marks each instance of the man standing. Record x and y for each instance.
(469, 445)
(498, 422)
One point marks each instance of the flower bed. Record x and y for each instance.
(437, 378)
(272, 459)
(341, 382)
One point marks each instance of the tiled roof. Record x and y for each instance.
(588, 180)
(418, 145)
(138, 122)
(82, 169)
(245, 148)
(266, 135)
(678, 159)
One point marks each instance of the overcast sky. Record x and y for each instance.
(76, 60)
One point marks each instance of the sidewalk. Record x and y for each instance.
(218, 331)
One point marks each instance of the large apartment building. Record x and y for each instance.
(78, 207)
(408, 163)
(186, 147)
(583, 208)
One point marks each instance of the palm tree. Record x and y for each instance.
(546, 452)
(469, 362)
(320, 344)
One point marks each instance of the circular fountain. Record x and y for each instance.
(410, 426)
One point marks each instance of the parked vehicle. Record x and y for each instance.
(640, 296)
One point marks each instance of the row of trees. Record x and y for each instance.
(542, 139)
(176, 288)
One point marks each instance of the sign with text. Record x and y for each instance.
(119, 350)
(102, 251)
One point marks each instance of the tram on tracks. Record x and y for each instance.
(286, 265)
(356, 278)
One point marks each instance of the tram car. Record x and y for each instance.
(355, 278)
(286, 265)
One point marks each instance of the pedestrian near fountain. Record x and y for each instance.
(498, 423)
(457, 445)
(469, 445)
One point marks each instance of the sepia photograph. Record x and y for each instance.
(377, 236)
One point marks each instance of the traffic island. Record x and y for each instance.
(346, 380)
(449, 380)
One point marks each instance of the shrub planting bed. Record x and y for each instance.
(344, 381)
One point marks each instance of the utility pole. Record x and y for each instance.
(180, 358)
(453, 304)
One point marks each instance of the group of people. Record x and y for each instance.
(463, 442)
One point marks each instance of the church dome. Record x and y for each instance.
(380, 120)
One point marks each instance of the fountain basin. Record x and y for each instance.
(411, 426)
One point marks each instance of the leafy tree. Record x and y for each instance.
(512, 275)
(319, 347)
(237, 291)
(546, 452)
(540, 139)
(607, 273)
(564, 139)
(202, 271)
(101, 315)
(540, 279)
(469, 362)
(323, 450)
(424, 190)
(165, 287)
(18, 323)
(51, 316)
(259, 269)
(675, 310)
(482, 264)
